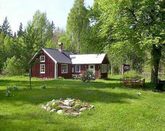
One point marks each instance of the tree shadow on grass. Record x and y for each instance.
(38, 96)
(34, 121)
(60, 83)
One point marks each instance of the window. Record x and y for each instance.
(64, 68)
(77, 68)
(72, 69)
(91, 66)
(42, 68)
(42, 58)
(104, 68)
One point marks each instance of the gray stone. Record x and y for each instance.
(75, 113)
(53, 110)
(48, 108)
(68, 102)
(60, 112)
(83, 109)
(65, 107)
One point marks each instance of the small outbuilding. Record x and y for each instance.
(54, 63)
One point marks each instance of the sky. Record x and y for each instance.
(23, 10)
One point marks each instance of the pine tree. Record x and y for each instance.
(6, 27)
(20, 31)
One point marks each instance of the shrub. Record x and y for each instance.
(87, 76)
(8, 91)
(43, 87)
(61, 78)
(13, 66)
(131, 75)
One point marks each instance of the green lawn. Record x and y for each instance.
(117, 108)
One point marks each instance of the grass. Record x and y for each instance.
(116, 107)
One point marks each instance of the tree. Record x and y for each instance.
(77, 25)
(13, 66)
(2, 57)
(42, 29)
(20, 31)
(57, 37)
(37, 34)
(140, 23)
(6, 27)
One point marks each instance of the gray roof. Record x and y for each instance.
(59, 57)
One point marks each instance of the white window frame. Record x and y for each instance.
(42, 71)
(63, 71)
(79, 67)
(104, 68)
(73, 68)
(42, 58)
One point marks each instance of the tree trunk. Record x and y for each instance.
(155, 60)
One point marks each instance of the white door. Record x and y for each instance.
(91, 68)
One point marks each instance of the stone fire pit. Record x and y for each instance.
(71, 107)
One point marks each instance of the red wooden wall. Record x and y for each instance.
(65, 75)
(49, 67)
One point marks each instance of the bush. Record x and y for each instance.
(87, 76)
(61, 78)
(8, 92)
(43, 87)
(132, 75)
(13, 66)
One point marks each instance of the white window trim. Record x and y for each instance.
(42, 72)
(66, 69)
(42, 56)
(79, 68)
(73, 69)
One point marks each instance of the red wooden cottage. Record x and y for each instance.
(54, 63)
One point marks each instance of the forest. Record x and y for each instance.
(130, 31)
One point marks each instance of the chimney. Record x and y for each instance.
(61, 46)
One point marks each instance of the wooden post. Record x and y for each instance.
(30, 76)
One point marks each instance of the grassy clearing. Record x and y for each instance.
(116, 107)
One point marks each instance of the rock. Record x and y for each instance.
(43, 107)
(92, 106)
(139, 93)
(83, 109)
(68, 102)
(53, 100)
(53, 110)
(48, 108)
(65, 107)
(60, 112)
(75, 113)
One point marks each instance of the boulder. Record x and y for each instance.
(60, 112)
(83, 109)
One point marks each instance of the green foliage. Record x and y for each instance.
(8, 92)
(20, 32)
(132, 75)
(130, 29)
(13, 66)
(61, 78)
(10, 89)
(77, 25)
(43, 87)
(6, 27)
(87, 76)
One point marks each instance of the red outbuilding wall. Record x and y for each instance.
(49, 67)
(65, 75)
